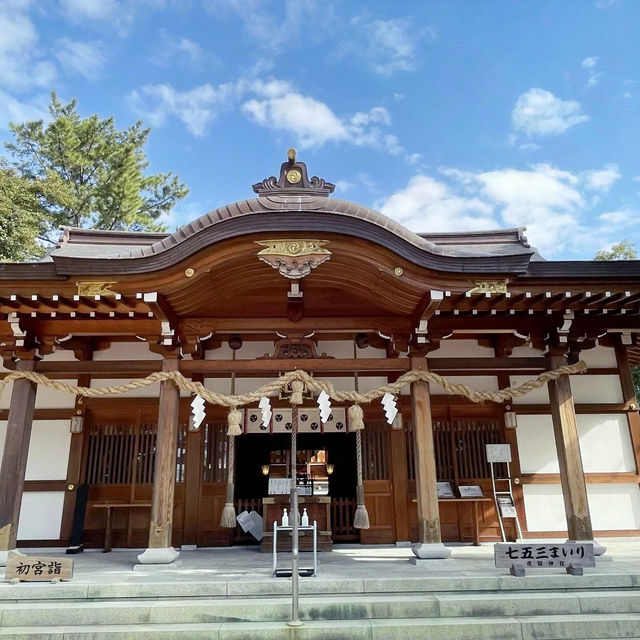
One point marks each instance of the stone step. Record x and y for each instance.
(338, 608)
(558, 627)
(177, 586)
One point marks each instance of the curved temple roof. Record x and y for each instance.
(295, 203)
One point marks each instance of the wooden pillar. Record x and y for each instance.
(14, 458)
(629, 398)
(160, 550)
(565, 429)
(429, 540)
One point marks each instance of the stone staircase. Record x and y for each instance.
(498, 607)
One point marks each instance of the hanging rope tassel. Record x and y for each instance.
(234, 419)
(297, 389)
(228, 519)
(356, 423)
(361, 519)
(356, 418)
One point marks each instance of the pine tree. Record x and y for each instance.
(87, 173)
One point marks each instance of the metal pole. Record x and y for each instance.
(293, 513)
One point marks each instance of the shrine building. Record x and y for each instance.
(296, 279)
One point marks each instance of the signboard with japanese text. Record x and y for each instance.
(279, 486)
(38, 568)
(470, 491)
(532, 556)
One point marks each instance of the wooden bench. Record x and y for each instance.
(109, 524)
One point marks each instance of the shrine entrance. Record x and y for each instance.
(326, 468)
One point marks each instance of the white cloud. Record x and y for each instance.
(78, 10)
(550, 202)
(22, 66)
(623, 218)
(273, 104)
(14, 110)
(539, 113)
(172, 50)
(118, 14)
(80, 58)
(312, 123)
(426, 204)
(529, 146)
(602, 179)
(386, 46)
(594, 76)
(274, 30)
(196, 107)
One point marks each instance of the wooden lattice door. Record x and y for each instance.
(119, 460)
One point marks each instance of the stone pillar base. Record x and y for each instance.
(430, 551)
(158, 556)
(598, 549)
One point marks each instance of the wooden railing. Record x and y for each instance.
(342, 513)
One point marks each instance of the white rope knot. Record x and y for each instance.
(297, 389)
(234, 420)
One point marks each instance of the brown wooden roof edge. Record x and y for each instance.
(592, 269)
(514, 235)
(75, 235)
(171, 251)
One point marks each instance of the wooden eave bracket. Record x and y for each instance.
(432, 304)
(163, 311)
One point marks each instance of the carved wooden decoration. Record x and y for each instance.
(295, 349)
(95, 288)
(293, 259)
(489, 286)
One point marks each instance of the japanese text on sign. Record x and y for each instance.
(544, 555)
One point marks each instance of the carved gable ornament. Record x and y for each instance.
(293, 181)
(489, 286)
(294, 259)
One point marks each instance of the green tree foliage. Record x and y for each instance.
(624, 250)
(22, 216)
(86, 173)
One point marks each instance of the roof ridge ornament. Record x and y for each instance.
(294, 181)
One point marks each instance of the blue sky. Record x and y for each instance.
(446, 116)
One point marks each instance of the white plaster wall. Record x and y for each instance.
(536, 444)
(612, 506)
(5, 396)
(51, 399)
(61, 355)
(478, 383)
(544, 506)
(537, 396)
(594, 389)
(526, 351)
(599, 357)
(40, 515)
(451, 348)
(138, 350)
(605, 443)
(48, 450)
